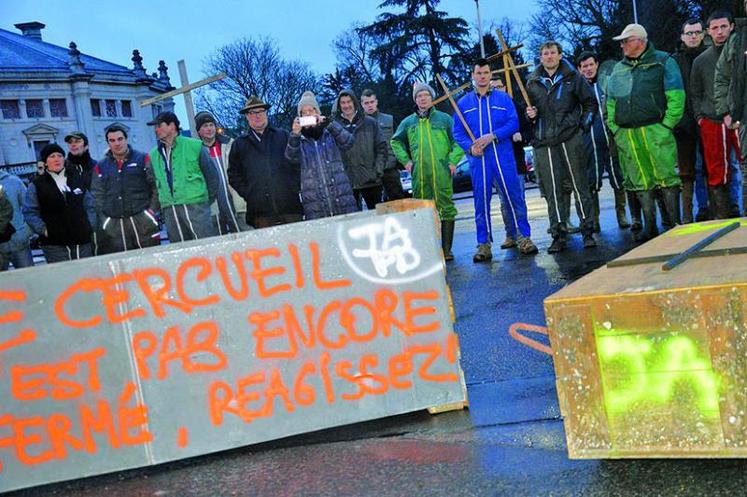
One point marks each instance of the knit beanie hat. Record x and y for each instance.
(308, 98)
(49, 150)
(418, 87)
(203, 117)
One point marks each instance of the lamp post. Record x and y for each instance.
(479, 30)
(635, 11)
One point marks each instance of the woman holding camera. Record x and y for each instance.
(315, 144)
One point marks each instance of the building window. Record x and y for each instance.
(111, 108)
(126, 108)
(34, 108)
(58, 107)
(10, 109)
(95, 107)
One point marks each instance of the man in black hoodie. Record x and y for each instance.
(78, 156)
(365, 161)
(686, 132)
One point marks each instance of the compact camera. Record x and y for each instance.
(306, 121)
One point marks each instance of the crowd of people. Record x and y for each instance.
(665, 128)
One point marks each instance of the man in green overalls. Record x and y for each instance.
(424, 144)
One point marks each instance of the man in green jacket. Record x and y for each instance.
(187, 182)
(424, 144)
(645, 101)
(730, 89)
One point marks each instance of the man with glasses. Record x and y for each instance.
(730, 88)
(645, 101)
(686, 133)
(720, 142)
(260, 173)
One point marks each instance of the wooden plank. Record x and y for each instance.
(179, 91)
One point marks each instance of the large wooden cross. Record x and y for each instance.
(185, 90)
(511, 68)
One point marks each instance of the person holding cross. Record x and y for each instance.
(424, 144)
(562, 107)
(490, 122)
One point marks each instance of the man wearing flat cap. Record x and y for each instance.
(187, 182)
(645, 101)
(259, 171)
(219, 147)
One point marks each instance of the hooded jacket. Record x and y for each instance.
(563, 102)
(366, 159)
(730, 80)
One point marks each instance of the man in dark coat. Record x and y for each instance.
(366, 159)
(562, 106)
(391, 179)
(79, 156)
(259, 171)
(689, 159)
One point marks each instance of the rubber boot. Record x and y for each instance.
(687, 202)
(718, 201)
(666, 222)
(634, 206)
(647, 200)
(595, 211)
(671, 198)
(447, 238)
(622, 220)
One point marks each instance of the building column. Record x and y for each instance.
(81, 96)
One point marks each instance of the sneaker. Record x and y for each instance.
(508, 243)
(526, 246)
(483, 253)
(557, 245)
(589, 241)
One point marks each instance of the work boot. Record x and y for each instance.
(447, 239)
(595, 211)
(634, 206)
(557, 245)
(648, 207)
(622, 220)
(483, 254)
(526, 246)
(687, 202)
(671, 199)
(508, 243)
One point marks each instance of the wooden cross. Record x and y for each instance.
(185, 90)
(511, 67)
(449, 94)
(466, 85)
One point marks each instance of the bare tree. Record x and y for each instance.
(254, 67)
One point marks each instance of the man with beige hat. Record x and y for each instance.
(645, 101)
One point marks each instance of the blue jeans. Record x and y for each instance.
(701, 189)
(20, 258)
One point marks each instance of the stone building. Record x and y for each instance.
(47, 91)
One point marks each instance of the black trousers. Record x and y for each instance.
(392, 185)
(372, 196)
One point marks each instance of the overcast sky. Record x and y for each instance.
(191, 29)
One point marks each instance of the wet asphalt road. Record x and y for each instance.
(510, 442)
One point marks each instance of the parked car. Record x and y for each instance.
(463, 178)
